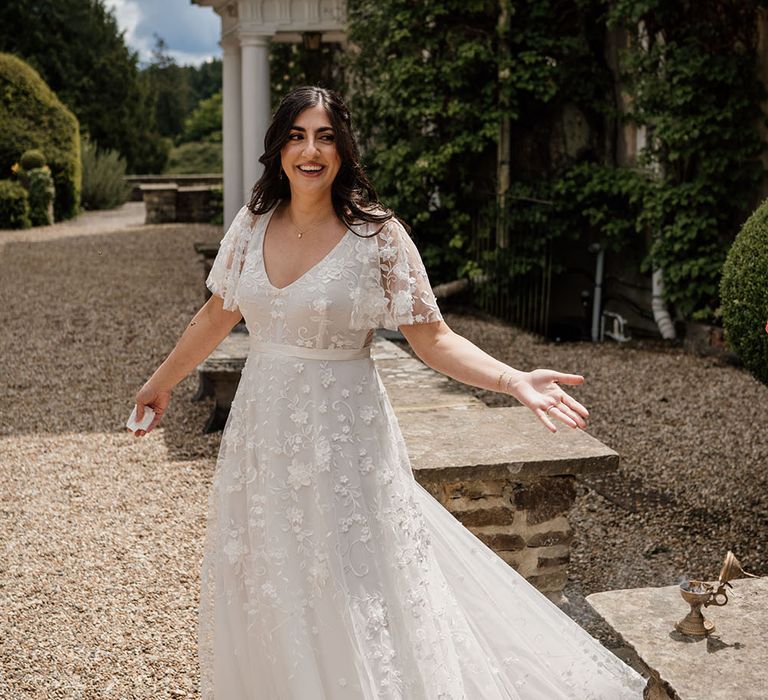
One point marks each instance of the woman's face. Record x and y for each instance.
(309, 157)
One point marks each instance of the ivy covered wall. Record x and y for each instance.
(431, 85)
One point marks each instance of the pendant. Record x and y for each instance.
(299, 235)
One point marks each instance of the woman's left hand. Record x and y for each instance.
(540, 391)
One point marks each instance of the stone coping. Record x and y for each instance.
(451, 434)
(447, 429)
(730, 664)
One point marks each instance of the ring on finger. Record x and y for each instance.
(551, 407)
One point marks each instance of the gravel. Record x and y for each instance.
(693, 444)
(101, 534)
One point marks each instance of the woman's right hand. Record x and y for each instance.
(156, 399)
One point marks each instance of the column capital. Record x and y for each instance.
(230, 43)
(248, 38)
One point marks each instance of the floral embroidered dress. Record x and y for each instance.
(329, 573)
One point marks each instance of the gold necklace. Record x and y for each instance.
(315, 223)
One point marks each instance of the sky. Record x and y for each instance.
(191, 31)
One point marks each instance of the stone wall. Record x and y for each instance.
(524, 522)
(169, 203)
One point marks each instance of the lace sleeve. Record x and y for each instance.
(224, 277)
(408, 293)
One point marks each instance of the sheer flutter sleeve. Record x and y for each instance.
(224, 277)
(394, 289)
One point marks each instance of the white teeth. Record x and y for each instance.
(310, 168)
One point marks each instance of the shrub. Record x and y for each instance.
(33, 117)
(195, 158)
(104, 185)
(744, 293)
(31, 159)
(41, 193)
(14, 205)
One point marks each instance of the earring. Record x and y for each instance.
(282, 175)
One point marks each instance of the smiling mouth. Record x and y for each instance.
(311, 169)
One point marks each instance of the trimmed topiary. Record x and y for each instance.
(34, 118)
(31, 159)
(14, 205)
(744, 294)
(41, 192)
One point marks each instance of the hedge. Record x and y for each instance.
(744, 294)
(34, 118)
(14, 205)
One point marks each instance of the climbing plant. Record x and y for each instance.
(691, 70)
(430, 83)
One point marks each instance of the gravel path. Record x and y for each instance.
(101, 534)
(693, 477)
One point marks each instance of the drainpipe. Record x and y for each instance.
(659, 306)
(597, 296)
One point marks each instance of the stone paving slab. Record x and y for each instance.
(730, 664)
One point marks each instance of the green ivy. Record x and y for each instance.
(692, 73)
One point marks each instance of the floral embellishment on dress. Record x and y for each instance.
(326, 377)
(334, 268)
(367, 414)
(321, 304)
(235, 549)
(299, 474)
(323, 454)
(300, 416)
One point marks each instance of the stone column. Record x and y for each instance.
(232, 129)
(256, 108)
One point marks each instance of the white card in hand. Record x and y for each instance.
(133, 425)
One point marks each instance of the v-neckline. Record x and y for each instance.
(268, 218)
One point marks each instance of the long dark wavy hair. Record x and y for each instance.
(354, 197)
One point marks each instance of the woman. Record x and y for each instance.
(329, 572)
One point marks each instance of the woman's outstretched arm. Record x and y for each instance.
(451, 354)
(209, 326)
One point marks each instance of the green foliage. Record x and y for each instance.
(744, 292)
(14, 205)
(195, 158)
(424, 97)
(204, 124)
(177, 90)
(81, 54)
(291, 65)
(33, 158)
(429, 95)
(104, 185)
(692, 74)
(430, 92)
(41, 192)
(33, 117)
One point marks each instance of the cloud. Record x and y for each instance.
(190, 31)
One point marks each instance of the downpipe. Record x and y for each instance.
(659, 306)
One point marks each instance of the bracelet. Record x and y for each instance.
(498, 384)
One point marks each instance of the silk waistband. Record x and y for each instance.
(312, 353)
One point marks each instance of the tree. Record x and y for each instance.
(171, 90)
(80, 52)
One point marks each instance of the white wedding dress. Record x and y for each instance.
(329, 573)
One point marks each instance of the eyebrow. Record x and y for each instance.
(317, 131)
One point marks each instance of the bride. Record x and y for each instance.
(328, 571)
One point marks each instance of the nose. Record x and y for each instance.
(309, 147)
